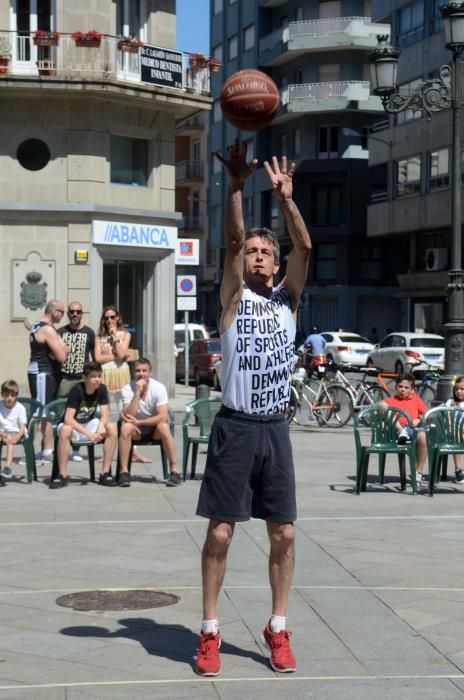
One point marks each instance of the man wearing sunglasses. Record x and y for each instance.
(80, 340)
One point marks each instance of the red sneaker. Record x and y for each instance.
(282, 659)
(207, 660)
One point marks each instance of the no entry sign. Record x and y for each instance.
(186, 285)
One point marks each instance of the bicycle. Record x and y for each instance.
(326, 403)
(363, 393)
(426, 387)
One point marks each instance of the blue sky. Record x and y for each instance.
(193, 25)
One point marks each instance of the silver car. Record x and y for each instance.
(403, 352)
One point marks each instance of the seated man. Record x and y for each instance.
(145, 417)
(80, 423)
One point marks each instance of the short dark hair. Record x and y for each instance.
(143, 361)
(10, 387)
(405, 377)
(267, 235)
(92, 367)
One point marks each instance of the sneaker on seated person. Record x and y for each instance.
(403, 437)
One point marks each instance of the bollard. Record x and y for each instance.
(202, 391)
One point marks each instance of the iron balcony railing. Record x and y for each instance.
(67, 59)
(191, 222)
(189, 170)
(319, 92)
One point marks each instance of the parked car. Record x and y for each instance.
(403, 352)
(345, 348)
(203, 355)
(195, 331)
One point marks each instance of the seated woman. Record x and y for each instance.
(457, 401)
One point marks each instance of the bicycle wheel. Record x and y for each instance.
(376, 393)
(427, 394)
(341, 404)
(293, 406)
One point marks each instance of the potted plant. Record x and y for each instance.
(214, 65)
(129, 44)
(89, 39)
(198, 60)
(5, 54)
(43, 37)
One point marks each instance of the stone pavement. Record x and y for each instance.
(376, 608)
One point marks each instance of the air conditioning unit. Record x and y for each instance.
(436, 259)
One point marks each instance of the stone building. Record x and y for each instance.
(87, 176)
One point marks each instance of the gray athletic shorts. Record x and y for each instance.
(249, 469)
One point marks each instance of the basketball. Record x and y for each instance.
(249, 100)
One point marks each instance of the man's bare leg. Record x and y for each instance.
(213, 564)
(281, 564)
(127, 434)
(109, 446)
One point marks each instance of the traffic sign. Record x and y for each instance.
(186, 285)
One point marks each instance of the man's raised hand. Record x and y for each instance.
(235, 164)
(281, 178)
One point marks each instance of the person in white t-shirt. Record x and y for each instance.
(145, 416)
(13, 422)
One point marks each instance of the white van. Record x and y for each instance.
(196, 331)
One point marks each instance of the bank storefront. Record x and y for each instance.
(132, 266)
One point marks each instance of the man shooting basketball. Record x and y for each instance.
(249, 469)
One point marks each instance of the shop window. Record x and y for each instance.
(411, 23)
(129, 161)
(33, 154)
(326, 206)
(326, 262)
(408, 175)
(438, 175)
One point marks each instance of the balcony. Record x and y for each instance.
(272, 3)
(67, 61)
(310, 36)
(191, 222)
(189, 171)
(191, 126)
(311, 98)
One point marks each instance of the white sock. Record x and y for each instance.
(208, 626)
(47, 452)
(277, 623)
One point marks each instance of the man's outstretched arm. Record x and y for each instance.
(297, 265)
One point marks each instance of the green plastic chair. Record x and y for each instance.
(444, 430)
(197, 433)
(381, 423)
(34, 410)
(54, 412)
(164, 460)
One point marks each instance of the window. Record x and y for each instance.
(217, 113)
(299, 14)
(248, 211)
(232, 2)
(217, 6)
(283, 144)
(33, 154)
(371, 263)
(438, 176)
(411, 23)
(326, 262)
(129, 161)
(408, 174)
(128, 18)
(218, 53)
(408, 114)
(327, 205)
(328, 142)
(436, 23)
(328, 9)
(249, 37)
(296, 141)
(233, 46)
(250, 153)
(329, 73)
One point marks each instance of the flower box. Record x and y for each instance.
(89, 39)
(129, 44)
(45, 38)
(4, 64)
(198, 61)
(89, 43)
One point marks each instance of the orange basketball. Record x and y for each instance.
(249, 100)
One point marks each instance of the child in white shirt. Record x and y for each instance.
(13, 422)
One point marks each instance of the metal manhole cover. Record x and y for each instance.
(117, 600)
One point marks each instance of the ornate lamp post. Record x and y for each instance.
(430, 96)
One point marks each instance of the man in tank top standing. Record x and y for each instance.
(249, 470)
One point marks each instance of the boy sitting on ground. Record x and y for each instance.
(81, 423)
(408, 401)
(13, 421)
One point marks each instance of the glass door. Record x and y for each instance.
(123, 287)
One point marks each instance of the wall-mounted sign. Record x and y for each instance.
(186, 285)
(134, 235)
(161, 67)
(188, 251)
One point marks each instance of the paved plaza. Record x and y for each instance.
(376, 608)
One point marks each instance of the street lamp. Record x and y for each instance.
(436, 95)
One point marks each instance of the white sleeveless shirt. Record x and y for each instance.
(257, 352)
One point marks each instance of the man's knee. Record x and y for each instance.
(111, 430)
(127, 431)
(66, 432)
(219, 537)
(281, 534)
